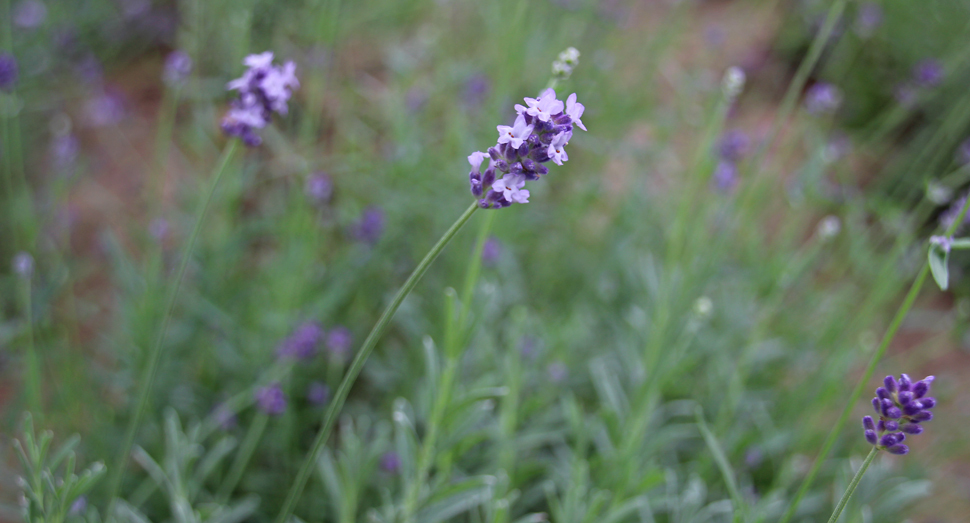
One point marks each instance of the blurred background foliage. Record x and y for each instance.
(638, 291)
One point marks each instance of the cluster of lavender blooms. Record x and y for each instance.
(306, 339)
(264, 89)
(731, 149)
(8, 71)
(823, 98)
(540, 133)
(271, 399)
(901, 406)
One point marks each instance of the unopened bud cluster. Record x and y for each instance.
(540, 134)
(563, 66)
(901, 406)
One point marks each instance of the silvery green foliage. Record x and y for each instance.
(346, 471)
(50, 485)
(182, 475)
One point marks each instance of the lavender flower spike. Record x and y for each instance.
(901, 406)
(8, 71)
(264, 89)
(539, 134)
(271, 399)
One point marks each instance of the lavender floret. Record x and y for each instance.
(901, 404)
(178, 66)
(303, 343)
(823, 98)
(319, 188)
(928, 73)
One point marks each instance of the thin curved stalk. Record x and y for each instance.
(870, 370)
(151, 368)
(852, 486)
(340, 397)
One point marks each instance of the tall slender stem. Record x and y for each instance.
(330, 416)
(151, 367)
(852, 486)
(246, 449)
(870, 369)
(34, 401)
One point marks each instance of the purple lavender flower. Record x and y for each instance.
(303, 343)
(339, 342)
(928, 73)
(491, 250)
(539, 134)
(29, 14)
(823, 98)
(23, 265)
(319, 188)
(733, 145)
(371, 225)
(725, 176)
(318, 393)
(178, 66)
(901, 405)
(869, 19)
(271, 399)
(78, 506)
(8, 71)
(390, 462)
(263, 90)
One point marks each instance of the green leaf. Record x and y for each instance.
(938, 259)
(464, 496)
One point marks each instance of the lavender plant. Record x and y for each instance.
(538, 135)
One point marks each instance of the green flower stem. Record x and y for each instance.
(454, 335)
(33, 360)
(852, 485)
(870, 369)
(246, 449)
(151, 368)
(330, 416)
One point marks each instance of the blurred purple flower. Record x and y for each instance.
(371, 225)
(30, 14)
(23, 265)
(822, 98)
(78, 506)
(339, 341)
(8, 71)
(104, 109)
(901, 405)
(870, 18)
(178, 66)
(734, 145)
(725, 176)
(928, 73)
(390, 462)
(64, 150)
(303, 343)
(491, 251)
(271, 399)
(319, 188)
(318, 393)
(263, 90)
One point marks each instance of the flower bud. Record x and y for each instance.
(927, 403)
(867, 423)
(912, 428)
(493, 153)
(888, 440)
(920, 388)
(488, 178)
(899, 450)
(871, 437)
(892, 425)
(890, 383)
(883, 393)
(922, 415)
(905, 397)
(894, 413)
(904, 382)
